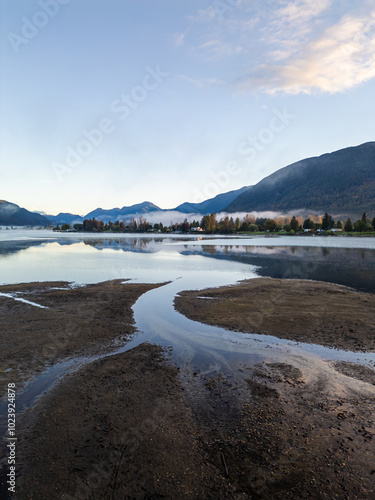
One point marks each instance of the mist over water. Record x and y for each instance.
(46, 256)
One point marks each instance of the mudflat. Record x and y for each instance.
(75, 321)
(300, 310)
(118, 428)
(133, 426)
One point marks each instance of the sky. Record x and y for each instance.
(108, 103)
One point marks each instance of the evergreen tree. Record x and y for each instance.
(327, 222)
(348, 226)
(308, 224)
(294, 224)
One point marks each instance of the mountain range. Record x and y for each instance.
(216, 204)
(13, 215)
(342, 183)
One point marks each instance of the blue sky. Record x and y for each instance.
(109, 103)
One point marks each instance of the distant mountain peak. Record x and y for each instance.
(13, 215)
(212, 205)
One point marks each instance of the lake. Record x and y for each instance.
(188, 262)
(85, 258)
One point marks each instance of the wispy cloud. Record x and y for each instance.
(301, 11)
(342, 57)
(215, 49)
(179, 39)
(289, 46)
(201, 82)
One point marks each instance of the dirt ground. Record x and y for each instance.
(118, 428)
(300, 310)
(132, 426)
(279, 433)
(124, 427)
(80, 321)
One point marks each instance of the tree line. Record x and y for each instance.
(227, 225)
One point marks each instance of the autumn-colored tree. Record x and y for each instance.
(250, 219)
(185, 226)
(209, 223)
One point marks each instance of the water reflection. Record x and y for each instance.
(354, 267)
(88, 258)
(12, 247)
(200, 264)
(126, 244)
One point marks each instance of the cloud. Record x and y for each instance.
(301, 11)
(201, 82)
(179, 39)
(342, 57)
(215, 33)
(285, 46)
(215, 49)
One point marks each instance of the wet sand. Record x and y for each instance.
(300, 310)
(132, 426)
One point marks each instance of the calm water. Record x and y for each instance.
(46, 256)
(189, 263)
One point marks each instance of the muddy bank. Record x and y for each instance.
(277, 432)
(79, 321)
(364, 373)
(119, 429)
(132, 426)
(125, 427)
(300, 310)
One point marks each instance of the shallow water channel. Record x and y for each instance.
(191, 264)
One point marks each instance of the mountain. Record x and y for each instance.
(342, 182)
(65, 218)
(13, 215)
(213, 205)
(120, 213)
(216, 204)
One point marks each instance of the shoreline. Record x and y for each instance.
(308, 311)
(78, 321)
(134, 425)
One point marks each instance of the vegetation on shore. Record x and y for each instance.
(209, 224)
